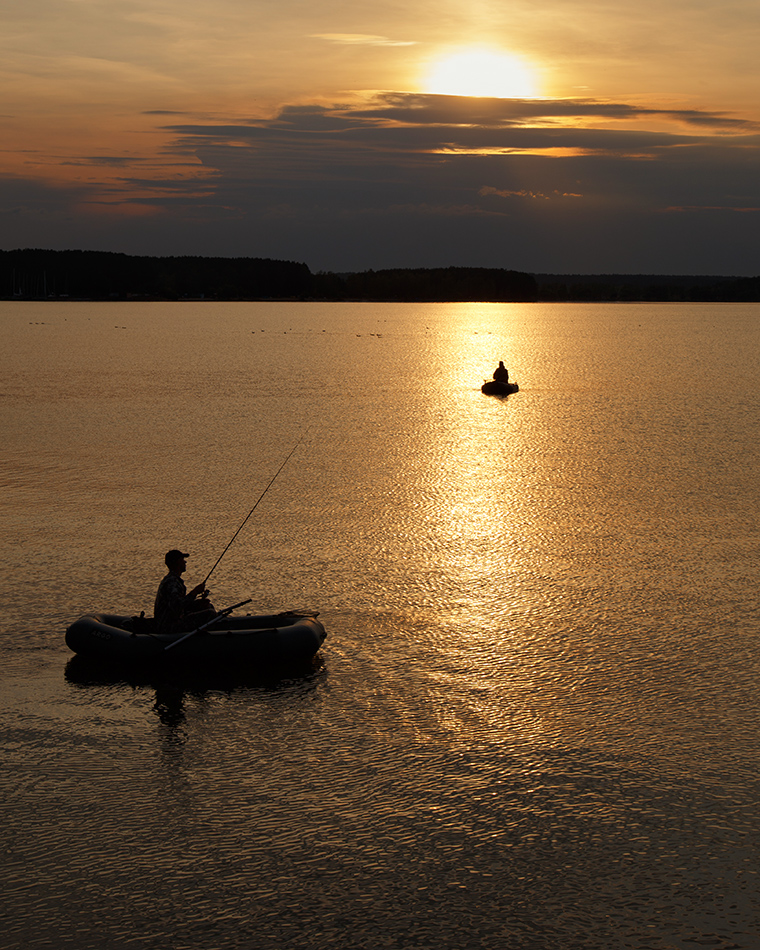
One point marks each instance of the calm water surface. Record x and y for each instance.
(534, 724)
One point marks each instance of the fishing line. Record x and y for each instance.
(290, 454)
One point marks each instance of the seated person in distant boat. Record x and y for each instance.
(501, 373)
(175, 610)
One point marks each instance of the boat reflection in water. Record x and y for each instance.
(173, 684)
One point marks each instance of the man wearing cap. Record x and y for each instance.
(175, 610)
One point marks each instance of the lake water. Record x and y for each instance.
(535, 721)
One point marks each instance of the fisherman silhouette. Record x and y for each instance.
(501, 373)
(176, 610)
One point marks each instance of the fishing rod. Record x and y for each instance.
(292, 451)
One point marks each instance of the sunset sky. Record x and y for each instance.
(567, 136)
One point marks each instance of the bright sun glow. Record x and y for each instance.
(482, 73)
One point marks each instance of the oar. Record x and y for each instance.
(222, 613)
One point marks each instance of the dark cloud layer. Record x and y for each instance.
(409, 180)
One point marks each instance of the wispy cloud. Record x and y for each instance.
(523, 193)
(361, 39)
(420, 109)
(112, 161)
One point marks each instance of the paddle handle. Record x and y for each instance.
(222, 613)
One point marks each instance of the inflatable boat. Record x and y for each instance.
(494, 387)
(252, 640)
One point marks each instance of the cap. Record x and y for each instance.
(173, 555)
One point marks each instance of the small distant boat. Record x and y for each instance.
(252, 640)
(495, 387)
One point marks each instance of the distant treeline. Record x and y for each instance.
(429, 284)
(34, 274)
(101, 275)
(567, 288)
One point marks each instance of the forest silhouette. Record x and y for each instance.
(35, 274)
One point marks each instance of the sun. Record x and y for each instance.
(483, 73)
